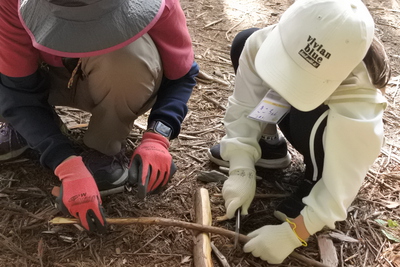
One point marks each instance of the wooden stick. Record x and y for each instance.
(203, 75)
(261, 195)
(183, 224)
(160, 221)
(220, 256)
(202, 247)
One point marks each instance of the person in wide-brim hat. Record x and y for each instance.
(116, 59)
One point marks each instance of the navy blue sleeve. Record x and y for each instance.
(24, 104)
(173, 95)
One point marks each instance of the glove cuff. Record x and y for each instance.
(291, 235)
(241, 160)
(72, 169)
(155, 137)
(250, 174)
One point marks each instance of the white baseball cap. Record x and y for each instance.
(313, 48)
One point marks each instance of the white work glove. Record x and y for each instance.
(239, 190)
(272, 243)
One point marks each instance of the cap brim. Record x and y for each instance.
(302, 90)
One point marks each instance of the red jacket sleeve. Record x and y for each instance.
(172, 38)
(18, 58)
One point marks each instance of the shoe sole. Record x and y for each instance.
(263, 163)
(105, 186)
(13, 154)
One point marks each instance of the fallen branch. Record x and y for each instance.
(160, 221)
(261, 195)
(204, 76)
(187, 225)
(202, 246)
(220, 256)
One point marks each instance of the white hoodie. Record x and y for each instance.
(352, 139)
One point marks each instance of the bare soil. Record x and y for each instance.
(26, 204)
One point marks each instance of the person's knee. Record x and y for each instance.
(140, 57)
(129, 76)
(134, 62)
(238, 44)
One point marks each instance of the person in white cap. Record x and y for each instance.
(316, 74)
(116, 59)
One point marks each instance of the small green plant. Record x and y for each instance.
(392, 224)
(389, 228)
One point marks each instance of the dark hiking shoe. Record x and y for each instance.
(274, 156)
(109, 172)
(12, 144)
(291, 207)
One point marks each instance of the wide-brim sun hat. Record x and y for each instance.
(83, 28)
(313, 48)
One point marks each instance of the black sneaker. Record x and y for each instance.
(272, 156)
(291, 207)
(12, 144)
(109, 172)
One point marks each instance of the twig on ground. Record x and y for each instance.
(41, 251)
(387, 24)
(212, 100)
(148, 242)
(204, 76)
(213, 23)
(219, 255)
(78, 126)
(19, 210)
(7, 243)
(262, 195)
(231, 28)
(183, 224)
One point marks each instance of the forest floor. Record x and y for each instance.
(370, 235)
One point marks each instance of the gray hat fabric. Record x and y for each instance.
(82, 28)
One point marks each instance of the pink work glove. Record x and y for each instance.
(79, 195)
(151, 165)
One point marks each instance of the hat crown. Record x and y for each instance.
(82, 28)
(322, 36)
(313, 48)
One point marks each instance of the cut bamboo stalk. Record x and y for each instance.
(202, 247)
(193, 226)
